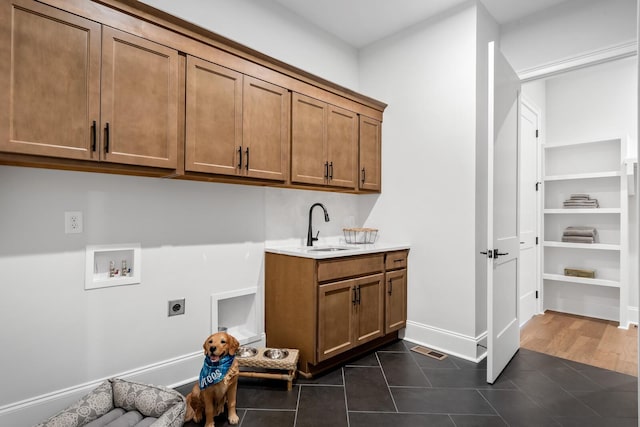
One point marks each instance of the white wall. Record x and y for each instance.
(196, 239)
(267, 27)
(598, 102)
(427, 76)
(572, 28)
(593, 103)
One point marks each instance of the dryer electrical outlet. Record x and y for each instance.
(176, 307)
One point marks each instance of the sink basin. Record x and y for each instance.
(328, 249)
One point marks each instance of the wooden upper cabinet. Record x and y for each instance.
(214, 118)
(324, 145)
(265, 131)
(370, 154)
(99, 86)
(309, 142)
(236, 124)
(139, 101)
(79, 90)
(342, 147)
(50, 85)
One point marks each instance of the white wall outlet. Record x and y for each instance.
(72, 222)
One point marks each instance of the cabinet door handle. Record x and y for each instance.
(93, 136)
(331, 170)
(363, 175)
(359, 295)
(354, 297)
(246, 166)
(106, 138)
(326, 170)
(240, 157)
(390, 286)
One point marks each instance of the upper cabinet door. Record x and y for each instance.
(342, 147)
(214, 118)
(309, 143)
(370, 154)
(266, 115)
(139, 101)
(49, 90)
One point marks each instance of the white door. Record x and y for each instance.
(528, 280)
(503, 332)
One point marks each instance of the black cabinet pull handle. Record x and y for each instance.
(326, 170)
(240, 157)
(246, 166)
(359, 295)
(354, 297)
(106, 138)
(390, 286)
(331, 170)
(363, 175)
(93, 136)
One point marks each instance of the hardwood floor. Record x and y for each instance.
(582, 339)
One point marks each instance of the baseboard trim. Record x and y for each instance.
(171, 372)
(632, 316)
(449, 342)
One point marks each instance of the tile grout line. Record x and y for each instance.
(387, 383)
(346, 403)
(295, 416)
(493, 407)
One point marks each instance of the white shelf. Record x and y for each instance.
(592, 175)
(596, 246)
(580, 144)
(582, 280)
(596, 168)
(570, 211)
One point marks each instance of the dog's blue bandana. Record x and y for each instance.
(214, 372)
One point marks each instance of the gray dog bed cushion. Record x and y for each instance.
(122, 403)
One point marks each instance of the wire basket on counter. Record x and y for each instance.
(360, 235)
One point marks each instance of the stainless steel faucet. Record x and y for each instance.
(310, 238)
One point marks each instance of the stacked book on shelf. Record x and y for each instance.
(580, 234)
(580, 201)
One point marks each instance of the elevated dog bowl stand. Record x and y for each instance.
(288, 364)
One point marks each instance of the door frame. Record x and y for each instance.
(525, 102)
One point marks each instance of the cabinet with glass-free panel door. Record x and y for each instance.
(121, 106)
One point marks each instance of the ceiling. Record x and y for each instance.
(361, 22)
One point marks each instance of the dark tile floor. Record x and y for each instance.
(397, 387)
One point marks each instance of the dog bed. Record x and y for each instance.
(122, 403)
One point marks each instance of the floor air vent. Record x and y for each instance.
(428, 352)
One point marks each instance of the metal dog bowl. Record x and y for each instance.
(276, 353)
(244, 352)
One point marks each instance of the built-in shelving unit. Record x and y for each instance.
(596, 168)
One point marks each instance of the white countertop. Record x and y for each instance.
(345, 250)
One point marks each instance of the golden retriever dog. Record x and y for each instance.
(218, 382)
